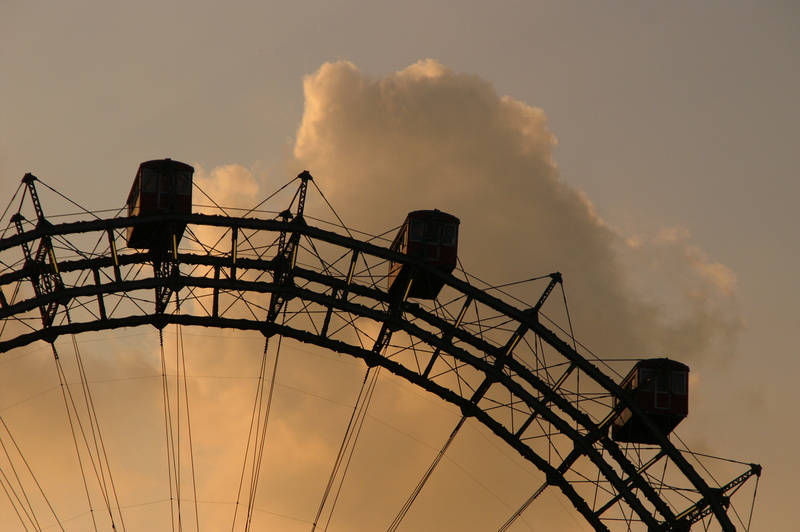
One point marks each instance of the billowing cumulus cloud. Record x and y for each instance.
(428, 137)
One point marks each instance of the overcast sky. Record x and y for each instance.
(647, 150)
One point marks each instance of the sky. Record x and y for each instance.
(646, 150)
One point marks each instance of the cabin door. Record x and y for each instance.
(663, 391)
(433, 241)
(164, 192)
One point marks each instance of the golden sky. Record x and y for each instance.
(648, 152)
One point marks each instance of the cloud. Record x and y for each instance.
(229, 185)
(430, 137)
(694, 295)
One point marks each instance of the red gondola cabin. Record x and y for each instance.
(433, 237)
(162, 186)
(661, 388)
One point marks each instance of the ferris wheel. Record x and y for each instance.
(101, 301)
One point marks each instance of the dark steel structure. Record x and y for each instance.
(498, 361)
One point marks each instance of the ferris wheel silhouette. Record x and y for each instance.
(402, 307)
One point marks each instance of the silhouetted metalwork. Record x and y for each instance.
(498, 362)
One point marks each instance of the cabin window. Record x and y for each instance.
(164, 184)
(662, 382)
(449, 234)
(416, 231)
(433, 233)
(149, 179)
(679, 384)
(645, 379)
(184, 183)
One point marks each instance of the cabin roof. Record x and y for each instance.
(659, 362)
(433, 213)
(164, 164)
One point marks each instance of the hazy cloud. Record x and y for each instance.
(229, 185)
(429, 137)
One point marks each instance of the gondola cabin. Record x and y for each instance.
(431, 236)
(162, 186)
(661, 388)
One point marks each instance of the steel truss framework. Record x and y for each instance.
(500, 364)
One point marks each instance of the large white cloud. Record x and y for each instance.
(429, 137)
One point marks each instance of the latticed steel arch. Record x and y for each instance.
(498, 363)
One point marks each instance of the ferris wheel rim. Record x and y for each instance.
(158, 320)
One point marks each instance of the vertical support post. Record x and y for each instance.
(112, 243)
(234, 250)
(215, 299)
(100, 302)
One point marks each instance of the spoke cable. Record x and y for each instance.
(332, 209)
(106, 480)
(182, 351)
(85, 210)
(259, 454)
(178, 467)
(21, 186)
(413, 497)
(753, 504)
(6, 487)
(256, 438)
(353, 446)
(209, 198)
(98, 458)
(25, 506)
(348, 444)
(168, 436)
(68, 400)
(251, 431)
(265, 200)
